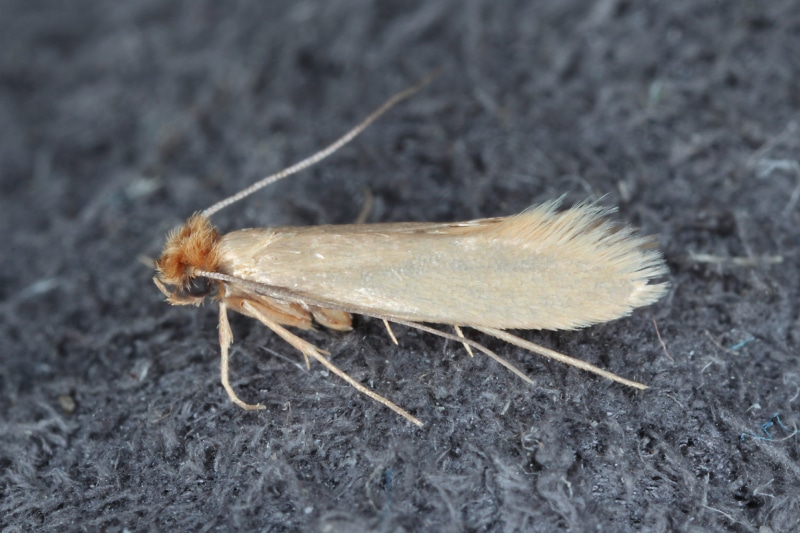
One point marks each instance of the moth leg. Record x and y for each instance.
(282, 313)
(366, 209)
(332, 318)
(552, 354)
(225, 340)
(469, 342)
(309, 349)
(461, 334)
(391, 333)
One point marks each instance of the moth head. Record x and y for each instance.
(189, 249)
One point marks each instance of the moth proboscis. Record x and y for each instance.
(539, 269)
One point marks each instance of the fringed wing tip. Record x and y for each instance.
(647, 294)
(585, 234)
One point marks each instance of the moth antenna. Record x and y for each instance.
(325, 152)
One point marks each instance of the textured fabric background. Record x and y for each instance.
(119, 119)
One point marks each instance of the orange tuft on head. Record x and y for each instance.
(191, 247)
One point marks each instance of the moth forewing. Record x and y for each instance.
(540, 269)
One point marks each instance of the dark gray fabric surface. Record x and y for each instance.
(119, 119)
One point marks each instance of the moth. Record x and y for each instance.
(539, 269)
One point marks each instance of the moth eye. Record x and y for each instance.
(198, 287)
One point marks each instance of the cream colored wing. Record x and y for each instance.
(536, 270)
